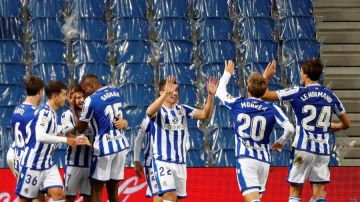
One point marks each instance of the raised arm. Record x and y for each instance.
(268, 74)
(206, 112)
(221, 91)
(170, 87)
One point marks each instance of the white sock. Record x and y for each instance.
(294, 199)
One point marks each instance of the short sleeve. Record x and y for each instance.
(189, 111)
(87, 110)
(288, 94)
(67, 121)
(280, 117)
(338, 107)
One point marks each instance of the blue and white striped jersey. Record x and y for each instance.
(23, 114)
(37, 155)
(254, 121)
(313, 106)
(147, 128)
(104, 106)
(170, 133)
(81, 155)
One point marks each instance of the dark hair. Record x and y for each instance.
(54, 87)
(89, 76)
(33, 84)
(162, 85)
(313, 69)
(257, 85)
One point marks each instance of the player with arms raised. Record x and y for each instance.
(313, 106)
(254, 120)
(169, 147)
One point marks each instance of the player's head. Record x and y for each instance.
(34, 87)
(77, 93)
(174, 97)
(90, 83)
(311, 70)
(257, 85)
(56, 91)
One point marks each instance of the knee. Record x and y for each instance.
(58, 196)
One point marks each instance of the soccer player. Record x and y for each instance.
(313, 105)
(254, 120)
(169, 147)
(146, 132)
(102, 108)
(78, 159)
(21, 117)
(38, 172)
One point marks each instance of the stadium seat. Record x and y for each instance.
(11, 51)
(6, 136)
(259, 51)
(132, 51)
(101, 70)
(134, 114)
(196, 139)
(6, 113)
(297, 28)
(130, 135)
(134, 73)
(257, 28)
(222, 117)
(11, 28)
(216, 70)
(179, 51)
(217, 51)
(192, 123)
(233, 90)
(130, 28)
(170, 8)
(10, 8)
(195, 158)
(49, 51)
(300, 50)
(11, 95)
(294, 8)
(293, 73)
(52, 71)
(223, 138)
(253, 8)
(184, 73)
(45, 8)
(46, 29)
(214, 28)
(137, 94)
(59, 157)
(206, 8)
(88, 8)
(128, 8)
(224, 158)
(12, 73)
(91, 28)
(187, 95)
(260, 67)
(172, 29)
(90, 51)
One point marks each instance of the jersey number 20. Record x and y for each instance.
(254, 123)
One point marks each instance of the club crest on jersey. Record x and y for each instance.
(179, 112)
(175, 120)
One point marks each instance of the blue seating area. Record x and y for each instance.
(134, 44)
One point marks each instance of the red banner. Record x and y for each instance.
(219, 184)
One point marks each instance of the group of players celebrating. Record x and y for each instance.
(93, 128)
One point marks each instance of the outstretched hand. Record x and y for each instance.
(229, 66)
(270, 71)
(212, 85)
(170, 85)
(277, 147)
